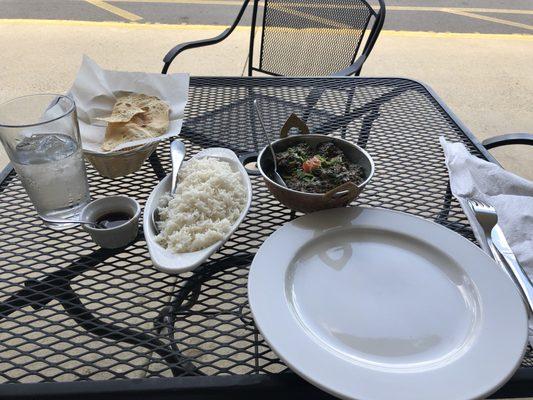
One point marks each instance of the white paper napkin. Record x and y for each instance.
(95, 91)
(509, 194)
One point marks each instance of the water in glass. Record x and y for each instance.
(51, 169)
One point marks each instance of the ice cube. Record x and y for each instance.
(27, 144)
(46, 147)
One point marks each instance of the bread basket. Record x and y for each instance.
(120, 163)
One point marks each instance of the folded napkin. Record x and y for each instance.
(511, 196)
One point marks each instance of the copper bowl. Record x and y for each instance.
(305, 202)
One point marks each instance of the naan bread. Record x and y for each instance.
(134, 117)
(125, 108)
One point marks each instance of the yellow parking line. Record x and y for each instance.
(458, 35)
(481, 10)
(389, 8)
(173, 27)
(491, 19)
(115, 10)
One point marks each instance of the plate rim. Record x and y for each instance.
(254, 296)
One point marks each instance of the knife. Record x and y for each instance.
(520, 277)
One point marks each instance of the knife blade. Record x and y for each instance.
(520, 277)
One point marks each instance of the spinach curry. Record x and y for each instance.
(316, 170)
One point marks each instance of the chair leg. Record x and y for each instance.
(367, 122)
(157, 166)
(443, 214)
(349, 102)
(293, 215)
(312, 99)
(442, 217)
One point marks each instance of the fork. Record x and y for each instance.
(488, 219)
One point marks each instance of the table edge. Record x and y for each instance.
(285, 385)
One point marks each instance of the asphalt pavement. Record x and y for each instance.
(459, 16)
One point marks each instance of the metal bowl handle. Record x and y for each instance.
(293, 122)
(342, 191)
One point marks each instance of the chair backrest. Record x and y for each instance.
(313, 37)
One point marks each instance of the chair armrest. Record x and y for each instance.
(355, 68)
(504, 140)
(172, 54)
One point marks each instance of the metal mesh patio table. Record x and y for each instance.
(79, 320)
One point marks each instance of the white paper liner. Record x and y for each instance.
(95, 92)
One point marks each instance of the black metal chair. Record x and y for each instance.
(504, 140)
(305, 37)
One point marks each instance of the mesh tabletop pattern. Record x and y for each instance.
(70, 311)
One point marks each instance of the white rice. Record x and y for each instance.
(208, 200)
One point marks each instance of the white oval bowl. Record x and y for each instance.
(175, 263)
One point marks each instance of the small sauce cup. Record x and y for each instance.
(117, 236)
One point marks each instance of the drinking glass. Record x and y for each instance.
(41, 136)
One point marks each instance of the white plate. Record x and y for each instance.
(375, 304)
(175, 263)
